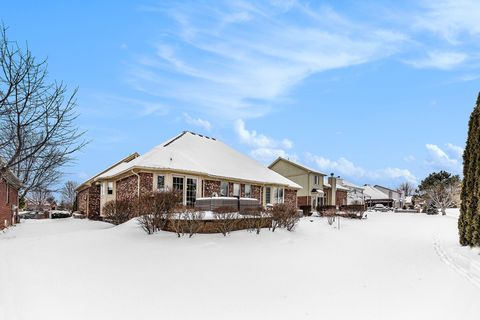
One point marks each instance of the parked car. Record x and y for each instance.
(59, 214)
(380, 208)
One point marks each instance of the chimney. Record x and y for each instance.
(332, 181)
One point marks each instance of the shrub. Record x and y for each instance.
(326, 210)
(226, 218)
(120, 211)
(156, 208)
(193, 221)
(255, 219)
(284, 216)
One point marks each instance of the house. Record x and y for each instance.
(397, 197)
(382, 195)
(9, 186)
(355, 195)
(335, 193)
(196, 165)
(316, 190)
(312, 193)
(88, 193)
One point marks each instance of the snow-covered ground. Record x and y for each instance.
(390, 266)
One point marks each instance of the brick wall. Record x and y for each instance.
(126, 188)
(304, 201)
(146, 183)
(257, 193)
(290, 197)
(341, 198)
(211, 187)
(94, 202)
(82, 201)
(6, 212)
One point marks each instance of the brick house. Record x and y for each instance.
(196, 165)
(88, 193)
(311, 180)
(9, 186)
(315, 191)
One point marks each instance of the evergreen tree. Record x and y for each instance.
(469, 221)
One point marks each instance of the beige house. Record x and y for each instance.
(313, 189)
(195, 165)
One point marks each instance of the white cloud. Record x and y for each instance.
(347, 168)
(409, 158)
(439, 60)
(456, 150)
(264, 148)
(450, 18)
(205, 124)
(235, 60)
(439, 159)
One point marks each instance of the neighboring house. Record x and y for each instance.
(355, 194)
(196, 165)
(335, 192)
(312, 193)
(397, 197)
(88, 193)
(9, 186)
(382, 195)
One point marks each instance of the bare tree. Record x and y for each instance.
(68, 194)
(406, 188)
(39, 135)
(38, 198)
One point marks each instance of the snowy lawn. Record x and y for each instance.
(390, 266)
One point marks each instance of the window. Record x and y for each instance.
(178, 185)
(268, 196)
(191, 191)
(278, 194)
(161, 183)
(316, 180)
(248, 191)
(224, 189)
(236, 190)
(110, 188)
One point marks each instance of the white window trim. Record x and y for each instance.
(164, 182)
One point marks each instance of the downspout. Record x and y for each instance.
(138, 183)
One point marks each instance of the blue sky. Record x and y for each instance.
(376, 92)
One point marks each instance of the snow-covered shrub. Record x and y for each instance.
(226, 219)
(284, 216)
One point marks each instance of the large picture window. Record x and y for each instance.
(224, 189)
(191, 191)
(178, 186)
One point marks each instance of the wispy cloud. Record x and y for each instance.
(439, 159)
(264, 148)
(198, 122)
(439, 60)
(240, 58)
(450, 19)
(348, 169)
